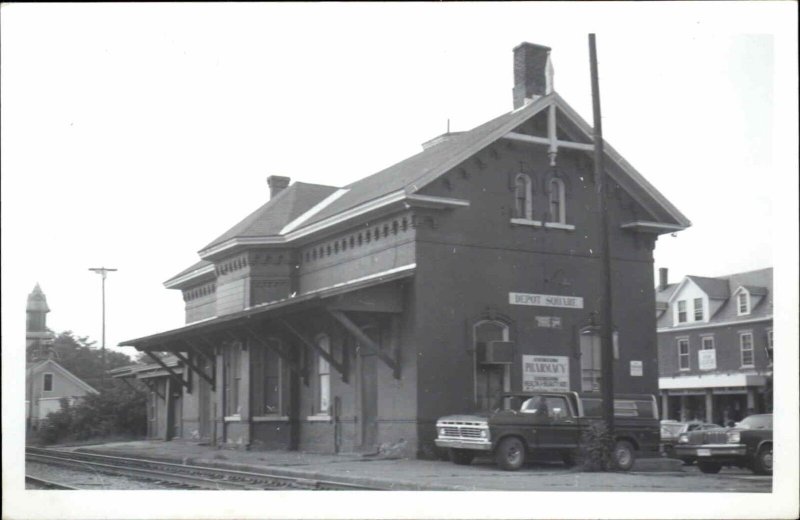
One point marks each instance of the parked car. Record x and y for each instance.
(551, 422)
(671, 430)
(748, 444)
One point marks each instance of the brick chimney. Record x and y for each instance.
(277, 184)
(533, 73)
(663, 278)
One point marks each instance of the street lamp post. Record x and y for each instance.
(103, 271)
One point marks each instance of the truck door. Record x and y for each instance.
(555, 425)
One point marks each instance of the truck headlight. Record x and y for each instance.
(442, 432)
(484, 434)
(683, 438)
(734, 437)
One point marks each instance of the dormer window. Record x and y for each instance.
(523, 197)
(682, 311)
(556, 196)
(698, 309)
(743, 303)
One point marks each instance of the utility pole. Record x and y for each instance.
(606, 316)
(103, 271)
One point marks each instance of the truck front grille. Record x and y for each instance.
(465, 432)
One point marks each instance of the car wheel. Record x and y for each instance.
(461, 457)
(510, 454)
(624, 455)
(709, 467)
(763, 463)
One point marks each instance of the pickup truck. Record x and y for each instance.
(531, 423)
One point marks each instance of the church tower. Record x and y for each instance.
(36, 333)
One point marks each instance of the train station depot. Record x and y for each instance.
(348, 319)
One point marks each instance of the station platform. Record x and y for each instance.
(387, 471)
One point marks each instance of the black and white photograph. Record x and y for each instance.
(378, 260)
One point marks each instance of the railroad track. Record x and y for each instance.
(39, 483)
(182, 475)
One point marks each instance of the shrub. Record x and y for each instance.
(597, 448)
(117, 410)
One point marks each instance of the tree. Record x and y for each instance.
(80, 356)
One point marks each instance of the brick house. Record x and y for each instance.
(351, 318)
(715, 346)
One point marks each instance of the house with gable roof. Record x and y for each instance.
(715, 346)
(47, 383)
(350, 318)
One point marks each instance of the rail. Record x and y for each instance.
(193, 476)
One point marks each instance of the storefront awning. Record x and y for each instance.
(711, 381)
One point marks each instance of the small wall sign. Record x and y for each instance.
(707, 359)
(636, 368)
(546, 300)
(547, 373)
(548, 322)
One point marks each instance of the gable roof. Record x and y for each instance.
(280, 210)
(758, 283)
(49, 364)
(715, 288)
(417, 171)
(290, 213)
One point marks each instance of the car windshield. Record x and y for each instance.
(756, 422)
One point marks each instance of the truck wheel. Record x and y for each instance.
(510, 454)
(461, 457)
(762, 465)
(709, 467)
(624, 455)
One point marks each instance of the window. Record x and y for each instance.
(266, 381)
(707, 343)
(682, 311)
(47, 382)
(556, 200)
(491, 380)
(746, 345)
(769, 344)
(523, 197)
(231, 357)
(323, 377)
(683, 354)
(591, 368)
(743, 303)
(698, 309)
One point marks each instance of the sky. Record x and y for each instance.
(134, 134)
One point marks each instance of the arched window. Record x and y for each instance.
(491, 380)
(556, 197)
(523, 197)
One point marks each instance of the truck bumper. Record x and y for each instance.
(464, 445)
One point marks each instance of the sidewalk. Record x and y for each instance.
(401, 474)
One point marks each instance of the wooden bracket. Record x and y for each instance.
(366, 341)
(285, 355)
(194, 367)
(340, 367)
(176, 377)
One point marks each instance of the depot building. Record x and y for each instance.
(346, 319)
